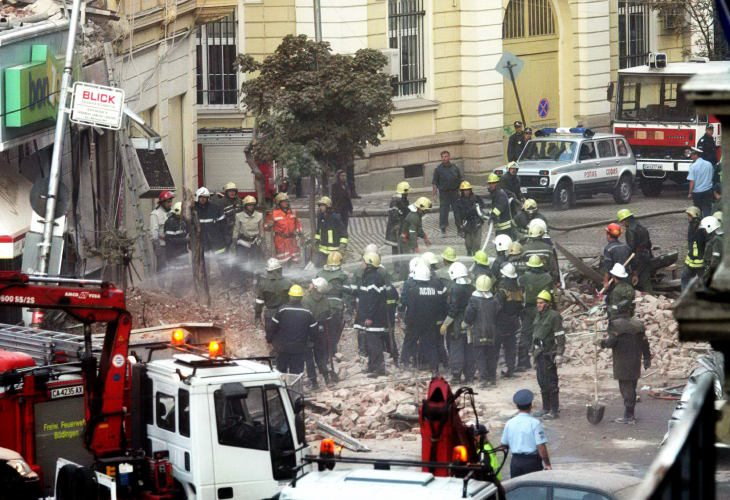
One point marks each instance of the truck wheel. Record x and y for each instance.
(651, 188)
(63, 482)
(563, 197)
(84, 484)
(622, 193)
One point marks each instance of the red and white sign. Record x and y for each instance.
(97, 105)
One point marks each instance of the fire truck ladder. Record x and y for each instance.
(45, 347)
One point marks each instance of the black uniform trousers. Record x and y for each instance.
(524, 464)
(703, 201)
(628, 392)
(374, 343)
(430, 345)
(290, 362)
(447, 201)
(547, 379)
(461, 358)
(485, 359)
(409, 352)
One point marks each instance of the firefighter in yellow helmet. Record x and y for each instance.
(696, 242)
(231, 205)
(397, 212)
(331, 235)
(470, 207)
(548, 349)
(248, 243)
(372, 313)
(523, 218)
(534, 281)
(412, 229)
(339, 284)
(286, 226)
(501, 215)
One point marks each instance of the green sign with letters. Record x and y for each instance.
(32, 89)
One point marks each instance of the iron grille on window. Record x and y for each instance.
(633, 33)
(405, 33)
(540, 15)
(216, 52)
(525, 18)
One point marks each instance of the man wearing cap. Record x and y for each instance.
(447, 179)
(516, 143)
(700, 182)
(525, 438)
(510, 182)
(708, 146)
(615, 252)
(639, 242)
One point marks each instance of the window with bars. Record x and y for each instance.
(633, 33)
(216, 52)
(406, 33)
(526, 18)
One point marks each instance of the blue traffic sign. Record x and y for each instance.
(543, 108)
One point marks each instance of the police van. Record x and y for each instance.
(562, 165)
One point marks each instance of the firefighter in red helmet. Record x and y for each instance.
(158, 217)
(614, 253)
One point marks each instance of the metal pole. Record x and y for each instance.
(317, 21)
(312, 179)
(54, 178)
(517, 95)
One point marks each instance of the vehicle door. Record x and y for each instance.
(609, 165)
(586, 173)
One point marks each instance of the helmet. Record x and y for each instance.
(321, 285)
(535, 231)
(623, 213)
(484, 283)
(166, 195)
(296, 291)
(403, 188)
(177, 208)
(619, 271)
(249, 200)
(202, 192)
(465, 185)
(710, 224)
(512, 164)
(614, 229)
(538, 222)
(371, 248)
(545, 295)
(508, 270)
(718, 215)
(502, 242)
(492, 178)
(421, 272)
(334, 259)
(230, 186)
(326, 201)
(529, 205)
(371, 259)
(515, 248)
(423, 203)
(429, 258)
(281, 197)
(412, 265)
(273, 264)
(534, 261)
(481, 258)
(449, 255)
(694, 212)
(458, 270)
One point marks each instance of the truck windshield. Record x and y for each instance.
(653, 98)
(241, 422)
(549, 150)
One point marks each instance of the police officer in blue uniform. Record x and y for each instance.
(524, 436)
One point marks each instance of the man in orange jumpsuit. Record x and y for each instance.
(284, 222)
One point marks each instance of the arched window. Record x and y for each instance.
(526, 18)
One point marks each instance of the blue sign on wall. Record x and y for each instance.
(543, 108)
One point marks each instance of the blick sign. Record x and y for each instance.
(97, 105)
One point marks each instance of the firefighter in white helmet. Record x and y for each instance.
(713, 248)
(248, 243)
(158, 217)
(212, 228)
(501, 245)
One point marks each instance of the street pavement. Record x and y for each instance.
(668, 232)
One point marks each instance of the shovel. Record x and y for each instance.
(595, 410)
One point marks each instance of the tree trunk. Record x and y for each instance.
(312, 214)
(259, 180)
(200, 275)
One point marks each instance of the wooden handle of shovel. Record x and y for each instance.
(603, 290)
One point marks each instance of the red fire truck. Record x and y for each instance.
(659, 123)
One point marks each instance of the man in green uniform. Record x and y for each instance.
(318, 304)
(549, 346)
(481, 265)
(536, 245)
(713, 249)
(412, 229)
(638, 240)
(515, 257)
(696, 242)
(338, 284)
(273, 293)
(534, 281)
(449, 257)
(620, 295)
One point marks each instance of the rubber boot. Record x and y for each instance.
(522, 358)
(554, 407)
(326, 376)
(628, 418)
(545, 406)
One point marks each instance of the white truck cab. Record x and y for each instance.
(368, 484)
(229, 426)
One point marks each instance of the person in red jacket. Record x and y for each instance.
(285, 224)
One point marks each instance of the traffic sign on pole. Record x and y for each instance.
(97, 105)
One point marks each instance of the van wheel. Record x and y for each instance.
(622, 193)
(651, 188)
(563, 197)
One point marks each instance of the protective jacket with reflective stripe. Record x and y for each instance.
(713, 253)
(176, 232)
(501, 215)
(481, 314)
(339, 284)
(426, 305)
(616, 253)
(212, 226)
(397, 212)
(286, 225)
(696, 241)
(372, 303)
(458, 301)
(331, 233)
(292, 327)
(230, 208)
(522, 221)
(273, 293)
(548, 333)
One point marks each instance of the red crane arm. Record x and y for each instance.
(103, 389)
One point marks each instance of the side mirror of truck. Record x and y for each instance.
(298, 405)
(234, 390)
(609, 91)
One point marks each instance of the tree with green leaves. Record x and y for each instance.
(696, 20)
(315, 111)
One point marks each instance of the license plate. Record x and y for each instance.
(66, 392)
(523, 190)
(653, 166)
